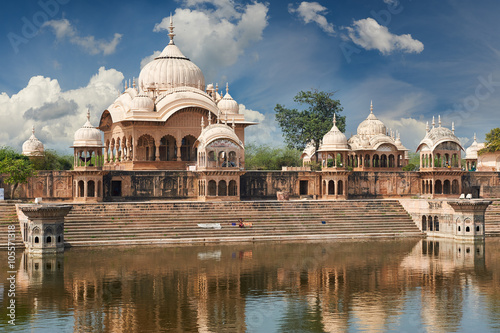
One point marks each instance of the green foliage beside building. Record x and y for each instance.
(264, 157)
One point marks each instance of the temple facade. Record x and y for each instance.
(171, 136)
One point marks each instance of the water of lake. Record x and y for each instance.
(407, 285)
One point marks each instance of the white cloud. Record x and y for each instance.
(266, 132)
(63, 29)
(56, 114)
(214, 34)
(370, 35)
(392, 2)
(149, 58)
(312, 12)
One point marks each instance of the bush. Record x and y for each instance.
(264, 157)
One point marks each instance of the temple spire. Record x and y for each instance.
(171, 28)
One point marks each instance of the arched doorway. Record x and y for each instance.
(331, 187)
(188, 153)
(146, 149)
(168, 148)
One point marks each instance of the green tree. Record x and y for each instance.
(312, 123)
(18, 171)
(264, 157)
(492, 142)
(53, 161)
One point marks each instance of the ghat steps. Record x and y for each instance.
(492, 219)
(177, 222)
(8, 217)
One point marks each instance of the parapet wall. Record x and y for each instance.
(254, 185)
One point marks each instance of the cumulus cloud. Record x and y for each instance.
(64, 30)
(52, 110)
(215, 33)
(370, 35)
(56, 114)
(265, 132)
(313, 12)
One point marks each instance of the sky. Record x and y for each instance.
(413, 59)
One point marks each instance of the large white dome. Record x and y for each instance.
(88, 135)
(170, 69)
(33, 146)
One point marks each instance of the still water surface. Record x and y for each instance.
(407, 285)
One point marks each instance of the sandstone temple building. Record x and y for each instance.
(170, 135)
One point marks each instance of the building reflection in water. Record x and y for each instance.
(316, 287)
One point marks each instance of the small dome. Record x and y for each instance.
(33, 146)
(217, 131)
(88, 135)
(438, 135)
(371, 125)
(334, 140)
(142, 102)
(472, 151)
(170, 69)
(227, 104)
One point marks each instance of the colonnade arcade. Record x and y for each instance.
(441, 185)
(446, 155)
(334, 185)
(222, 153)
(364, 160)
(88, 157)
(172, 140)
(87, 186)
(219, 186)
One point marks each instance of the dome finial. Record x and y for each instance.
(209, 118)
(371, 106)
(433, 122)
(33, 132)
(202, 123)
(427, 126)
(233, 126)
(453, 127)
(334, 119)
(474, 136)
(439, 120)
(227, 87)
(88, 114)
(171, 28)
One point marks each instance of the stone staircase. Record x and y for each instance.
(8, 216)
(177, 222)
(492, 219)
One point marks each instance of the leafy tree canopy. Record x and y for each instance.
(53, 161)
(492, 141)
(17, 167)
(312, 123)
(264, 157)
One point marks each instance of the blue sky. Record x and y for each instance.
(414, 59)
